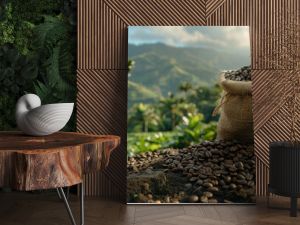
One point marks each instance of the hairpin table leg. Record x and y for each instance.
(67, 193)
(81, 203)
(62, 196)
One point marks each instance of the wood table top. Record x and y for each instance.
(57, 160)
(17, 141)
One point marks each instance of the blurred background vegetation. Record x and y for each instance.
(37, 54)
(176, 120)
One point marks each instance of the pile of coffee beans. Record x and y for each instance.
(242, 74)
(213, 171)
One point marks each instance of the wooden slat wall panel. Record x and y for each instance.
(212, 6)
(268, 19)
(99, 184)
(229, 12)
(102, 57)
(277, 128)
(102, 64)
(262, 178)
(102, 37)
(267, 103)
(265, 17)
(102, 109)
(160, 13)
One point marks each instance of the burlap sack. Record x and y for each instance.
(235, 107)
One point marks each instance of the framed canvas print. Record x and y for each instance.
(190, 123)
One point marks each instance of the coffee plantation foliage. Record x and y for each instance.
(175, 121)
(37, 54)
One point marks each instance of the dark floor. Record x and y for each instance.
(46, 209)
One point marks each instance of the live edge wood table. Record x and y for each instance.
(52, 162)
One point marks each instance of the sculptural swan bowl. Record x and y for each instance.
(40, 120)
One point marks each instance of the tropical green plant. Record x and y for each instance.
(14, 30)
(69, 9)
(38, 49)
(7, 112)
(34, 10)
(185, 87)
(144, 142)
(182, 109)
(205, 98)
(56, 62)
(130, 65)
(53, 43)
(17, 71)
(144, 115)
(173, 109)
(194, 130)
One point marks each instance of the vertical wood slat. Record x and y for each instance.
(262, 178)
(102, 46)
(102, 37)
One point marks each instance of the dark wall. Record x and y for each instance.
(37, 54)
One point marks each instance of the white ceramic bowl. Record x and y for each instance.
(40, 120)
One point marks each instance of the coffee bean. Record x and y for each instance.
(222, 182)
(149, 196)
(188, 186)
(223, 167)
(241, 177)
(204, 199)
(232, 186)
(193, 199)
(241, 182)
(227, 179)
(208, 194)
(240, 165)
(199, 182)
(213, 189)
(207, 185)
(242, 74)
(193, 179)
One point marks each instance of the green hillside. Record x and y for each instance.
(161, 69)
(138, 93)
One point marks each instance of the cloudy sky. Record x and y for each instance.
(192, 36)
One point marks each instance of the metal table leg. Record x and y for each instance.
(81, 204)
(67, 193)
(61, 195)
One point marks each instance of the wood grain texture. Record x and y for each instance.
(102, 37)
(263, 16)
(57, 160)
(102, 50)
(159, 13)
(105, 115)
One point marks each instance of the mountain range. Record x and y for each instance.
(160, 69)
